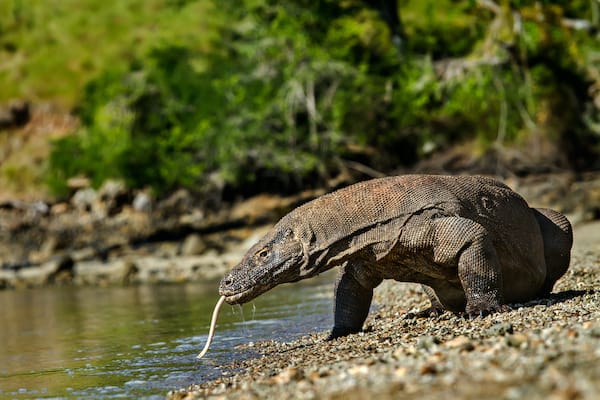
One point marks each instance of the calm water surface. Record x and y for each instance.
(138, 342)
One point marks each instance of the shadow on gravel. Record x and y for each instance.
(551, 299)
(554, 298)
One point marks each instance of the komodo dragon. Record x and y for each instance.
(473, 243)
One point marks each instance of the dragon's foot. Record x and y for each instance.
(429, 312)
(484, 310)
(337, 332)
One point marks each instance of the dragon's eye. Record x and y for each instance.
(263, 253)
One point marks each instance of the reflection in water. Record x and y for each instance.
(137, 341)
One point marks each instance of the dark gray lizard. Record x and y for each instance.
(473, 243)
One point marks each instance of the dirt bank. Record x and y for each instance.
(115, 236)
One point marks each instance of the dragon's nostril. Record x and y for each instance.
(228, 282)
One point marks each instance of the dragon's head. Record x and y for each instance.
(277, 258)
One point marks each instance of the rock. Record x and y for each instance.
(78, 182)
(401, 372)
(180, 269)
(179, 202)
(111, 190)
(8, 278)
(193, 218)
(59, 208)
(85, 253)
(40, 207)
(461, 343)
(45, 251)
(118, 272)
(288, 375)
(107, 201)
(399, 353)
(595, 332)
(193, 245)
(84, 199)
(428, 369)
(142, 202)
(64, 273)
(60, 269)
(167, 250)
(113, 195)
(427, 342)
(516, 340)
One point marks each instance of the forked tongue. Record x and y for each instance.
(213, 324)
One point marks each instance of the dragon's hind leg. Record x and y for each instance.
(435, 310)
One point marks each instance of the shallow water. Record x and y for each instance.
(141, 341)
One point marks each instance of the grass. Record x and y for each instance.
(49, 49)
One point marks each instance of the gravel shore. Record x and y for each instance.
(544, 349)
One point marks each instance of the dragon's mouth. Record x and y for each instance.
(238, 298)
(244, 295)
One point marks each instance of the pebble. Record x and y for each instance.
(516, 340)
(461, 343)
(500, 329)
(427, 342)
(288, 375)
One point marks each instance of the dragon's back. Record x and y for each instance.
(364, 204)
(384, 205)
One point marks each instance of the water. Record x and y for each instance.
(138, 342)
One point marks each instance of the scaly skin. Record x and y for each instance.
(473, 243)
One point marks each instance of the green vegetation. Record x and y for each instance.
(281, 93)
(49, 49)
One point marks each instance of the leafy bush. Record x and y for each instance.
(270, 102)
(290, 89)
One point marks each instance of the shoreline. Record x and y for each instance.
(546, 348)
